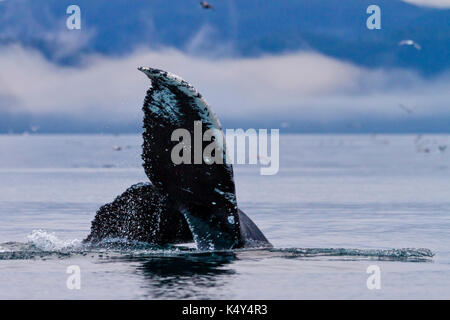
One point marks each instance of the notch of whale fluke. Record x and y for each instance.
(187, 201)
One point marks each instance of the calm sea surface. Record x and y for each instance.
(338, 205)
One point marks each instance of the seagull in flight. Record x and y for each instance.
(205, 5)
(410, 43)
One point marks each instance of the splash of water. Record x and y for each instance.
(50, 242)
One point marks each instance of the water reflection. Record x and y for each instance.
(198, 276)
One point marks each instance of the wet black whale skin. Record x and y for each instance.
(181, 200)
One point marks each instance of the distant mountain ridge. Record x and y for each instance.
(243, 28)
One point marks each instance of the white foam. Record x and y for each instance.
(50, 242)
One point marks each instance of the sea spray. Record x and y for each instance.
(50, 242)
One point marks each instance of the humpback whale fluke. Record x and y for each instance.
(183, 202)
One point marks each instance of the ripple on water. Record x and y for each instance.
(42, 244)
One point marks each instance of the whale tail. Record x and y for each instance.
(143, 213)
(195, 195)
(250, 232)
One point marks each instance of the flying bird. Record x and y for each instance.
(410, 43)
(406, 109)
(206, 5)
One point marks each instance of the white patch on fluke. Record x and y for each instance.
(172, 80)
(166, 98)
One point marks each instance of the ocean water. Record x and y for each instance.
(339, 204)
